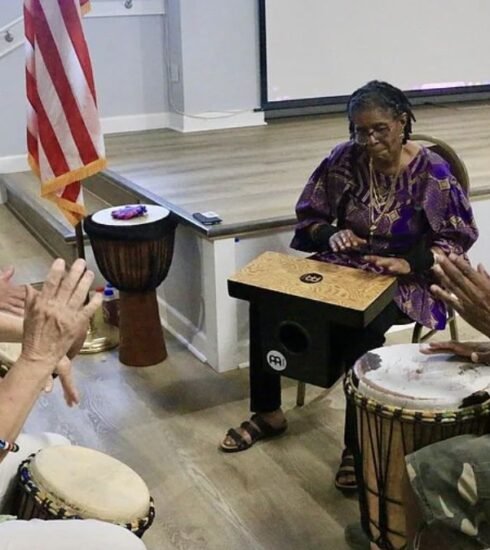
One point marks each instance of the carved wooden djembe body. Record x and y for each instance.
(134, 256)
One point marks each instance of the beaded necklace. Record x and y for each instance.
(378, 199)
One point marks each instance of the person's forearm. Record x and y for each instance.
(11, 328)
(19, 391)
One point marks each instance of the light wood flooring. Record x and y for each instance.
(165, 421)
(252, 175)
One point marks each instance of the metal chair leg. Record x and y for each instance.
(417, 333)
(300, 394)
(453, 329)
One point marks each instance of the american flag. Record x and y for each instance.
(64, 139)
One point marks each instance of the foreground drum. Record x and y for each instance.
(406, 400)
(69, 482)
(134, 256)
(9, 353)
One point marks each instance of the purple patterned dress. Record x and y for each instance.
(427, 203)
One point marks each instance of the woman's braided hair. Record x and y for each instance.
(381, 95)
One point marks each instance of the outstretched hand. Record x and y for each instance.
(466, 289)
(12, 297)
(478, 352)
(56, 316)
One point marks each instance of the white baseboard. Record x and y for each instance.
(134, 123)
(215, 121)
(182, 329)
(14, 163)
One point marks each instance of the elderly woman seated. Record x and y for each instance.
(381, 203)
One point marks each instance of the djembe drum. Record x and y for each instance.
(134, 256)
(9, 353)
(70, 482)
(404, 401)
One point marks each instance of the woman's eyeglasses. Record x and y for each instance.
(362, 135)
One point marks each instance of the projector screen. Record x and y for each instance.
(319, 51)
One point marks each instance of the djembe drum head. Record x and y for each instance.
(67, 482)
(134, 254)
(401, 376)
(9, 353)
(406, 400)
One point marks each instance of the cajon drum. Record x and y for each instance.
(293, 302)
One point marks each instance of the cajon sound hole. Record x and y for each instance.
(293, 337)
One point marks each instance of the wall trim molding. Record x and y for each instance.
(16, 30)
(134, 123)
(117, 8)
(215, 121)
(14, 163)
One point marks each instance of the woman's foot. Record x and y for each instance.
(260, 426)
(345, 479)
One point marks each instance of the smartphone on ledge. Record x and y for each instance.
(207, 218)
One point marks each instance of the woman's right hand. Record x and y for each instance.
(345, 239)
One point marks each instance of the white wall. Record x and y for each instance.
(215, 64)
(213, 48)
(128, 59)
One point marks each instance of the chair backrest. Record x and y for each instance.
(445, 151)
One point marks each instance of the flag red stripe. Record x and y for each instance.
(74, 28)
(71, 192)
(32, 147)
(47, 136)
(52, 60)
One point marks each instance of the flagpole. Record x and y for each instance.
(79, 241)
(100, 337)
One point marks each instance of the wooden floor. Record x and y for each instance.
(165, 421)
(249, 175)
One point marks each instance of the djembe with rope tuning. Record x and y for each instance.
(134, 255)
(405, 400)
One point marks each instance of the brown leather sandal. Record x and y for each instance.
(257, 428)
(345, 479)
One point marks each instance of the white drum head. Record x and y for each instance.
(154, 213)
(9, 353)
(91, 483)
(401, 376)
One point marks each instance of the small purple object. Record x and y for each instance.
(129, 212)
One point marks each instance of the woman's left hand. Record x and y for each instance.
(394, 266)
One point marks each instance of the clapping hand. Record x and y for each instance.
(12, 297)
(56, 318)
